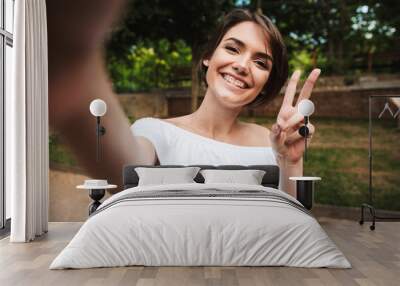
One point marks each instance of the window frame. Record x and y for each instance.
(6, 39)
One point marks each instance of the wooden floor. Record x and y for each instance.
(375, 256)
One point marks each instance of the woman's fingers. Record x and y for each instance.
(292, 122)
(296, 135)
(278, 137)
(308, 86)
(291, 89)
(276, 131)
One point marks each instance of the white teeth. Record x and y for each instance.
(234, 81)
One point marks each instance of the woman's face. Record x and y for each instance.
(240, 65)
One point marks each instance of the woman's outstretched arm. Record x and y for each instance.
(77, 75)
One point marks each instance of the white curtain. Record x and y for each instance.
(27, 153)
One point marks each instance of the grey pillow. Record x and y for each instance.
(248, 177)
(162, 176)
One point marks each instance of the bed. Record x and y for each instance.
(201, 224)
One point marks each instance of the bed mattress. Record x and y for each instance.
(201, 225)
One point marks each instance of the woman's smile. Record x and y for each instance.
(234, 81)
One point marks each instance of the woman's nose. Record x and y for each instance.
(241, 67)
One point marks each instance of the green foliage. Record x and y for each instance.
(151, 65)
(132, 63)
(303, 60)
(58, 152)
(152, 20)
(345, 32)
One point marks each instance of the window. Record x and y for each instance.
(6, 63)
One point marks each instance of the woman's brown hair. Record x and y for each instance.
(279, 72)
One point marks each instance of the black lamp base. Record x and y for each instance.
(305, 193)
(96, 195)
(305, 190)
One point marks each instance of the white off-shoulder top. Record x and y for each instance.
(177, 146)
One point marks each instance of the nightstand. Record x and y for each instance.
(97, 190)
(305, 190)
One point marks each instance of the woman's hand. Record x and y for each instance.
(286, 141)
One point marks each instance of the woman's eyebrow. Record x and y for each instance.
(258, 54)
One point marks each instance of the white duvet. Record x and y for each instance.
(206, 230)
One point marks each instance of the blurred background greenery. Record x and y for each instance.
(152, 64)
(156, 43)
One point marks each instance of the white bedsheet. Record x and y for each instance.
(182, 231)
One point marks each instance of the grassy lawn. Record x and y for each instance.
(339, 155)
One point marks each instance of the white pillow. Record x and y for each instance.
(162, 176)
(248, 177)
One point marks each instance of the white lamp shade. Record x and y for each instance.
(306, 107)
(98, 107)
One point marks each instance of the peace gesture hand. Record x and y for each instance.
(286, 141)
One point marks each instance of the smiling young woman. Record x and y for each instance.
(245, 63)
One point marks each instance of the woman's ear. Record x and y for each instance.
(205, 62)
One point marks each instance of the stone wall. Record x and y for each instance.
(344, 102)
(341, 103)
(140, 105)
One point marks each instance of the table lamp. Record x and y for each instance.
(98, 108)
(306, 108)
(305, 185)
(97, 188)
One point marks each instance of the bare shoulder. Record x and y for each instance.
(178, 121)
(257, 135)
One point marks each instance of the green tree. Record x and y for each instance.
(336, 35)
(191, 21)
(374, 32)
(343, 31)
(150, 65)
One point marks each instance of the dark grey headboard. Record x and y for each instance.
(270, 179)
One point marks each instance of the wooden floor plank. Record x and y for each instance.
(374, 255)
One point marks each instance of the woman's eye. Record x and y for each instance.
(261, 64)
(232, 49)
